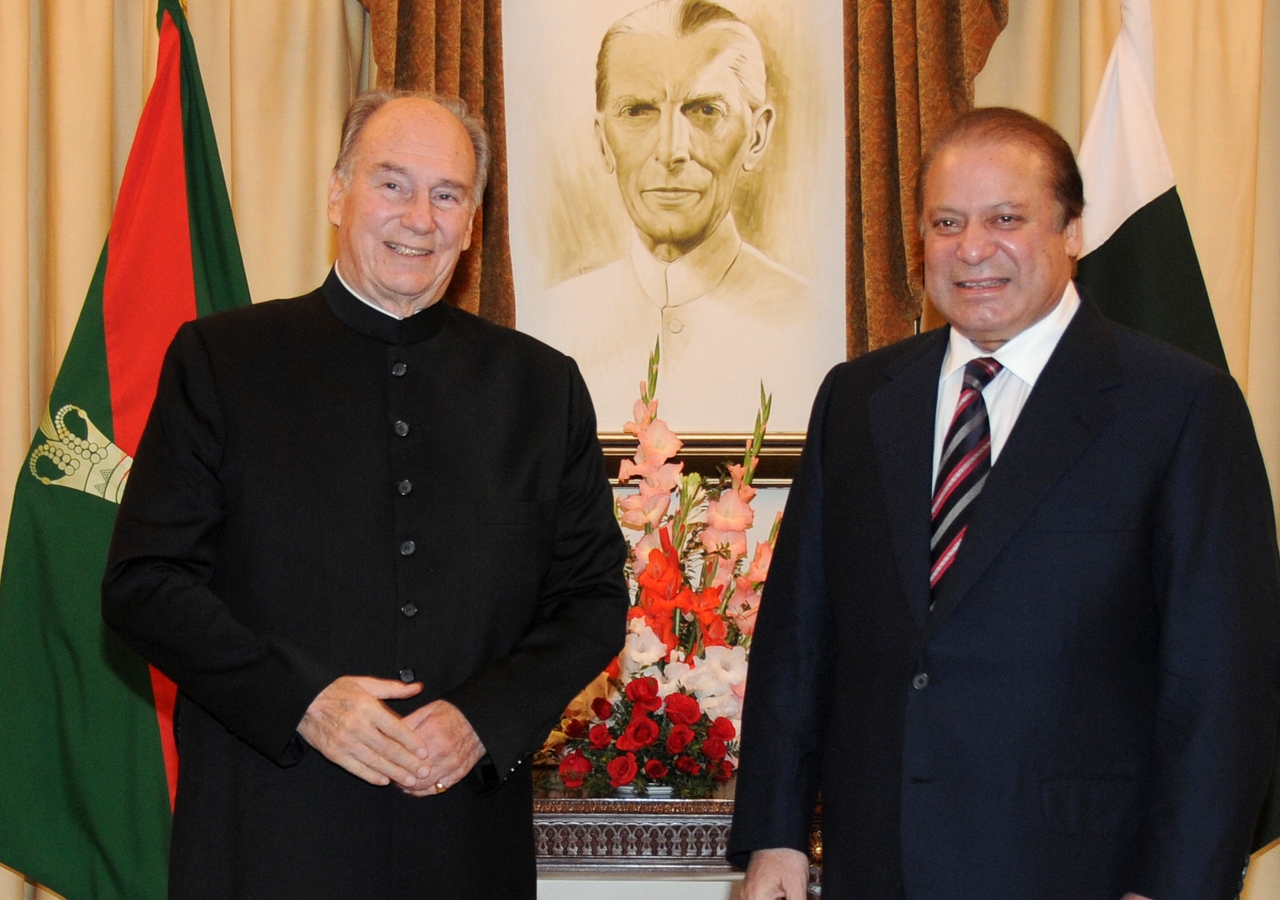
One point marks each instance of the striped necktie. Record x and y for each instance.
(963, 469)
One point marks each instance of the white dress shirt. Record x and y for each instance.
(1023, 357)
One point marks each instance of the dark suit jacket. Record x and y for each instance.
(321, 491)
(1091, 706)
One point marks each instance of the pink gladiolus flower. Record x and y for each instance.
(641, 414)
(651, 541)
(659, 443)
(759, 570)
(738, 474)
(639, 510)
(636, 468)
(730, 513)
(666, 477)
(714, 539)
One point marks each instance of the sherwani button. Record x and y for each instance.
(406, 675)
(404, 487)
(399, 369)
(920, 682)
(401, 427)
(410, 610)
(407, 548)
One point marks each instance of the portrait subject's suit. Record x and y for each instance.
(1090, 706)
(323, 490)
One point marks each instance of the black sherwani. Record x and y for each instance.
(323, 490)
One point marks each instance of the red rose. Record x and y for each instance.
(623, 770)
(642, 732)
(599, 736)
(681, 736)
(688, 765)
(574, 769)
(643, 692)
(683, 709)
(723, 772)
(602, 709)
(575, 729)
(713, 748)
(722, 728)
(655, 769)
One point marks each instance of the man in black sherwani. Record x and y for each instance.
(371, 539)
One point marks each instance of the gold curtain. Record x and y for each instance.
(909, 67)
(455, 47)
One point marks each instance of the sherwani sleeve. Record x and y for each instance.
(156, 591)
(513, 702)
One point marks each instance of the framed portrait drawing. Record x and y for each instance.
(676, 176)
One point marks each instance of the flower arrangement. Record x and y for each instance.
(668, 709)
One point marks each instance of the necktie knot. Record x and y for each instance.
(979, 372)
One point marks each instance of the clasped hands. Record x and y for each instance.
(423, 753)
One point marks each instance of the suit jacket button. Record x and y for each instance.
(399, 369)
(410, 610)
(407, 548)
(404, 487)
(920, 682)
(406, 675)
(401, 427)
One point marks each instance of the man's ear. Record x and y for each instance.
(1073, 237)
(758, 137)
(466, 238)
(336, 191)
(610, 164)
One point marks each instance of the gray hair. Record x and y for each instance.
(680, 18)
(368, 103)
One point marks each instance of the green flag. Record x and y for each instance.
(86, 744)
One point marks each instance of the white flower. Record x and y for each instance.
(643, 648)
(675, 674)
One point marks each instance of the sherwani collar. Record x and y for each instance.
(364, 319)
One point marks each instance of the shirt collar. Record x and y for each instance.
(691, 276)
(1026, 353)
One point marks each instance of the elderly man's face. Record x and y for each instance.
(406, 213)
(997, 258)
(677, 131)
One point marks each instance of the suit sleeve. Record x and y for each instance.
(1218, 583)
(513, 702)
(156, 591)
(792, 668)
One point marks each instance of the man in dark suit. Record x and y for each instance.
(370, 538)
(1022, 630)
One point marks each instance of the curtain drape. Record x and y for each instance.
(909, 69)
(455, 47)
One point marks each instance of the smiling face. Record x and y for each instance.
(676, 130)
(997, 256)
(405, 214)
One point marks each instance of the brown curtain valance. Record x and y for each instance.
(909, 67)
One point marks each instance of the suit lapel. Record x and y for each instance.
(902, 420)
(1064, 412)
